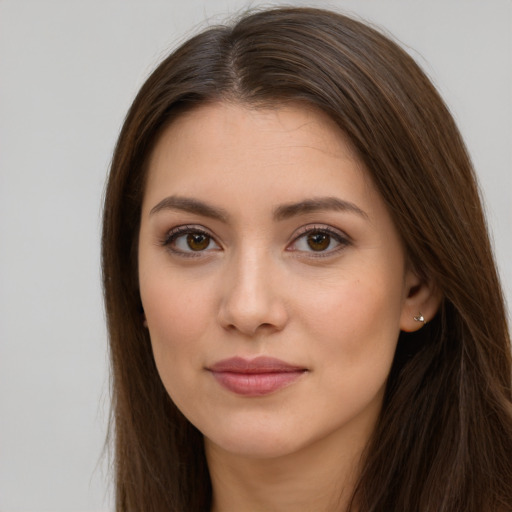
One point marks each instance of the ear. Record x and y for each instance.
(422, 299)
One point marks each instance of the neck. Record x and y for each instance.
(316, 478)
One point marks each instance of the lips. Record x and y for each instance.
(256, 377)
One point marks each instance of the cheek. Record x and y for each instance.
(357, 328)
(178, 314)
(358, 320)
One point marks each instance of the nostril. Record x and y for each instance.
(251, 330)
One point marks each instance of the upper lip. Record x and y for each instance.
(262, 364)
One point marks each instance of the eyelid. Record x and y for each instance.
(339, 236)
(184, 229)
(342, 239)
(178, 231)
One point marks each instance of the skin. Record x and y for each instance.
(254, 286)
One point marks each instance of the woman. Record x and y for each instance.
(303, 307)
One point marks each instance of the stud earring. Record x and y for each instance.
(420, 318)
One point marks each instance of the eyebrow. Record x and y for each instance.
(190, 205)
(286, 211)
(282, 212)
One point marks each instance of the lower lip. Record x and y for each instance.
(256, 384)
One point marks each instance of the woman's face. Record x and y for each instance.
(272, 278)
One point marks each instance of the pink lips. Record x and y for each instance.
(255, 377)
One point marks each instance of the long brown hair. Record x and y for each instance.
(443, 442)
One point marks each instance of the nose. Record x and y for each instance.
(252, 302)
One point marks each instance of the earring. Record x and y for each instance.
(420, 318)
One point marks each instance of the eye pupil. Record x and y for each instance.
(198, 241)
(319, 241)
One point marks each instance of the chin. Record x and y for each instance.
(255, 448)
(263, 443)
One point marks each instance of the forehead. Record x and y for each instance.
(233, 154)
(223, 123)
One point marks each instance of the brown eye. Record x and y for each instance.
(190, 241)
(198, 241)
(318, 241)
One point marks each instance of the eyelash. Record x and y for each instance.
(339, 237)
(180, 231)
(174, 234)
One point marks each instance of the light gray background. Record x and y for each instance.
(68, 71)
